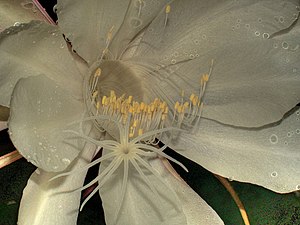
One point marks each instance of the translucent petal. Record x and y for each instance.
(127, 17)
(14, 12)
(255, 47)
(33, 49)
(53, 202)
(140, 204)
(196, 210)
(40, 112)
(267, 156)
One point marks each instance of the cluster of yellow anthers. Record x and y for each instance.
(140, 116)
(185, 111)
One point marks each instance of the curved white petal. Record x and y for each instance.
(86, 24)
(52, 202)
(176, 202)
(140, 205)
(40, 112)
(196, 210)
(33, 49)
(14, 12)
(267, 156)
(255, 48)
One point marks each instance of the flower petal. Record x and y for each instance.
(33, 49)
(38, 118)
(267, 156)
(52, 202)
(127, 17)
(255, 47)
(18, 11)
(196, 210)
(140, 205)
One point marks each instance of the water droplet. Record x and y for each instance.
(274, 174)
(259, 20)
(173, 61)
(266, 35)
(285, 45)
(297, 131)
(196, 42)
(238, 20)
(66, 161)
(273, 139)
(281, 19)
(16, 24)
(135, 22)
(204, 37)
(55, 167)
(298, 113)
(289, 134)
(247, 26)
(33, 42)
(257, 33)
(298, 187)
(275, 45)
(62, 46)
(192, 56)
(54, 8)
(230, 178)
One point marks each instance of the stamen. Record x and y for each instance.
(140, 8)
(167, 11)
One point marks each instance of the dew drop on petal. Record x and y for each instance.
(274, 174)
(273, 139)
(66, 161)
(285, 45)
(266, 35)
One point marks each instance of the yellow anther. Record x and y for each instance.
(142, 106)
(192, 97)
(130, 99)
(140, 132)
(98, 105)
(205, 77)
(152, 107)
(103, 100)
(109, 34)
(186, 104)
(195, 100)
(135, 123)
(97, 72)
(166, 110)
(168, 9)
(182, 93)
(176, 105)
(95, 94)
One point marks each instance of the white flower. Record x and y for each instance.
(154, 52)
